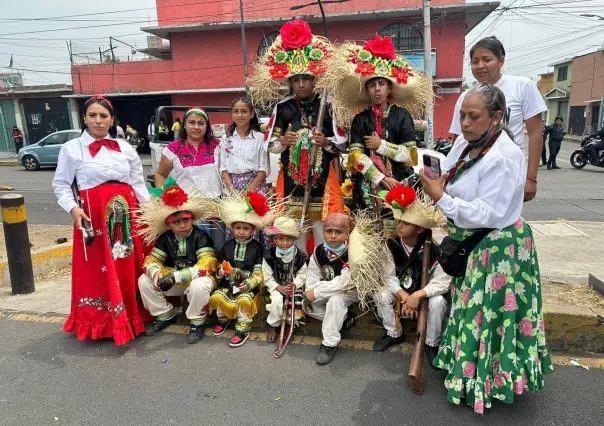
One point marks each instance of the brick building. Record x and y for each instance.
(203, 63)
(587, 94)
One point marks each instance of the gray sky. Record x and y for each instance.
(533, 35)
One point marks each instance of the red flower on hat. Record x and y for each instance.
(317, 67)
(381, 47)
(365, 68)
(279, 71)
(174, 196)
(295, 34)
(401, 195)
(401, 75)
(258, 203)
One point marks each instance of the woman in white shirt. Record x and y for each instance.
(244, 162)
(107, 175)
(523, 100)
(494, 343)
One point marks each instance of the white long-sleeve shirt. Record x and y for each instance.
(323, 289)
(439, 281)
(490, 194)
(75, 161)
(271, 283)
(243, 154)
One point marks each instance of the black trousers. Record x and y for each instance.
(544, 152)
(554, 149)
(593, 151)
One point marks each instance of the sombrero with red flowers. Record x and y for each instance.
(413, 206)
(247, 207)
(295, 52)
(352, 66)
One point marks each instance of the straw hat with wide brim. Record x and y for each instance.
(413, 206)
(284, 226)
(352, 66)
(250, 207)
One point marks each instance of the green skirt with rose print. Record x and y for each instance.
(494, 344)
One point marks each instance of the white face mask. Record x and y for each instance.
(282, 252)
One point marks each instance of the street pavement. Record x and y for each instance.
(46, 374)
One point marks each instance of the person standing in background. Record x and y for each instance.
(176, 128)
(556, 134)
(17, 138)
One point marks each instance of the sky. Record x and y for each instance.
(534, 33)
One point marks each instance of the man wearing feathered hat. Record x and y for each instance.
(415, 213)
(182, 260)
(294, 63)
(380, 84)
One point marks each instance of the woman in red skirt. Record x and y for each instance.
(107, 175)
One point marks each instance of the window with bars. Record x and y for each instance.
(405, 37)
(563, 73)
(266, 42)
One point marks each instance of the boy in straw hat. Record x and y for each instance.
(240, 270)
(296, 60)
(382, 139)
(181, 262)
(328, 289)
(284, 266)
(415, 214)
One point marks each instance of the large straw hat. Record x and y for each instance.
(284, 226)
(296, 51)
(352, 66)
(152, 214)
(414, 207)
(250, 207)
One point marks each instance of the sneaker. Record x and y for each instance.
(326, 354)
(385, 342)
(549, 166)
(555, 167)
(238, 339)
(158, 326)
(195, 334)
(272, 335)
(220, 328)
(431, 351)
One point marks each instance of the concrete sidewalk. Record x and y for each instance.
(568, 253)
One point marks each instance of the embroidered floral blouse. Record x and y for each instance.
(196, 170)
(244, 154)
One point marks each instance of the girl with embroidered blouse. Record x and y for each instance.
(193, 162)
(494, 344)
(244, 160)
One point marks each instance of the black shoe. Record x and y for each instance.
(556, 167)
(157, 326)
(432, 351)
(326, 354)
(549, 166)
(195, 334)
(385, 342)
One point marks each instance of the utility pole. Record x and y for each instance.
(428, 137)
(244, 46)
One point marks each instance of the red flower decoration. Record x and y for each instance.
(401, 75)
(317, 67)
(360, 167)
(174, 196)
(341, 132)
(295, 34)
(365, 68)
(269, 126)
(381, 47)
(258, 203)
(279, 71)
(402, 195)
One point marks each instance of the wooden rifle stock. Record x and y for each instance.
(416, 367)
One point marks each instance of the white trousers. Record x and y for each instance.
(437, 309)
(198, 295)
(332, 311)
(317, 232)
(275, 309)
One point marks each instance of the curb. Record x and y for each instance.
(9, 163)
(43, 261)
(570, 328)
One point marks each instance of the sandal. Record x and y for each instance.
(272, 335)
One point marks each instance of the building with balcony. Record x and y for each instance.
(199, 57)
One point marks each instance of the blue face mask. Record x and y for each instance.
(282, 252)
(337, 249)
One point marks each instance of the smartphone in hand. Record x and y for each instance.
(431, 166)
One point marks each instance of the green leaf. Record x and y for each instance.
(485, 333)
(463, 338)
(507, 323)
(382, 194)
(526, 277)
(511, 356)
(494, 249)
(519, 345)
(523, 298)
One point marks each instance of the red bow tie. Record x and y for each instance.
(95, 146)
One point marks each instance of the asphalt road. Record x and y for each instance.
(563, 194)
(46, 374)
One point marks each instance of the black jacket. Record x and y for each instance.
(555, 132)
(168, 244)
(599, 134)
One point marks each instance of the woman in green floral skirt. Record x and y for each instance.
(494, 344)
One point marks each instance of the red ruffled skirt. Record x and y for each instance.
(104, 282)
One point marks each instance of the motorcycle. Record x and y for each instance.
(580, 157)
(135, 140)
(443, 146)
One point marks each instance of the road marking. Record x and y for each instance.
(558, 358)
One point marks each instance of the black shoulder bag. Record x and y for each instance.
(453, 255)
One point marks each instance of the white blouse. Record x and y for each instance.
(196, 170)
(75, 161)
(243, 154)
(490, 194)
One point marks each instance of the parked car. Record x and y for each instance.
(46, 151)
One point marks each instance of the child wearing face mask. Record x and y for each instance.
(284, 267)
(240, 270)
(328, 291)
